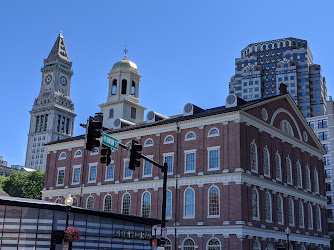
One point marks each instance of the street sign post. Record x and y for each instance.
(110, 141)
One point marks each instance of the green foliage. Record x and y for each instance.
(2, 181)
(25, 185)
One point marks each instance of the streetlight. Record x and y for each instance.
(287, 232)
(68, 203)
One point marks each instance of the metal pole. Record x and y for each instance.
(68, 209)
(287, 236)
(164, 191)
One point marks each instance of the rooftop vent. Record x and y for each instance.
(121, 123)
(190, 109)
(154, 116)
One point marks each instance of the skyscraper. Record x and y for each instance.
(52, 115)
(264, 65)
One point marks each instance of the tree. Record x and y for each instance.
(25, 185)
(2, 181)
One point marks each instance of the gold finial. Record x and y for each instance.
(125, 51)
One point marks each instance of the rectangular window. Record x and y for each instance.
(328, 187)
(169, 159)
(127, 170)
(92, 173)
(76, 175)
(61, 176)
(190, 161)
(110, 172)
(327, 161)
(147, 168)
(213, 158)
(133, 113)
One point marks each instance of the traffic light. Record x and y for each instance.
(105, 155)
(153, 242)
(135, 155)
(93, 133)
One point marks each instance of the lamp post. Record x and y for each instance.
(287, 232)
(68, 203)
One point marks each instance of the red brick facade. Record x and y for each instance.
(235, 226)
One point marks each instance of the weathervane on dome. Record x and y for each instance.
(125, 51)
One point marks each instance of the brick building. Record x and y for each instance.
(239, 176)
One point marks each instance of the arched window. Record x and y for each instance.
(268, 207)
(90, 202)
(169, 204)
(253, 156)
(256, 245)
(255, 204)
(213, 244)
(318, 211)
(307, 178)
(271, 247)
(58, 201)
(213, 132)
(280, 214)
(266, 162)
(213, 201)
(107, 203)
(287, 43)
(62, 156)
(190, 136)
(124, 86)
(148, 143)
(278, 167)
(291, 208)
(188, 244)
(281, 44)
(78, 153)
(146, 205)
(114, 87)
(126, 203)
(95, 150)
(169, 139)
(133, 88)
(316, 181)
(75, 202)
(310, 216)
(302, 248)
(288, 171)
(111, 113)
(189, 203)
(301, 214)
(299, 175)
(168, 244)
(286, 127)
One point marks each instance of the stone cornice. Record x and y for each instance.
(226, 179)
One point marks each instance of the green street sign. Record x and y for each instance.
(110, 141)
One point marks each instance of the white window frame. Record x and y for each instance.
(213, 149)
(214, 135)
(144, 161)
(58, 170)
(256, 157)
(280, 166)
(266, 151)
(125, 162)
(218, 215)
(318, 219)
(257, 205)
(73, 168)
(293, 213)
(142, 199)
(184, 204)
(310, 225)
(290, 166)
(164, 157)
(94, 153)
(104, 202)
(308, 184)
(149, 145)
(87, 201)
(301, 205)
(192, 138)
(60, 156)
(122, 212)
(190, 151)
(105, 178)
(58, 199)
(95, 164)
(300, 175)
(282, 210)
(168, 142)
(270, 220)
(316, 181)
(171, 204)
(207, 243)
(75, 154)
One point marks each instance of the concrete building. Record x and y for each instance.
(52, 115)
(323, 127)
(239, 175)
(3, 162)
(264, 65)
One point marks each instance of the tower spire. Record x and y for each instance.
(125, 51)
(58, 50)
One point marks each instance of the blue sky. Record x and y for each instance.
(184, 50)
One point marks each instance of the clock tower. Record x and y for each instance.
(52, 115)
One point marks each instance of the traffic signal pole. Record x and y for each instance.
(164, 169)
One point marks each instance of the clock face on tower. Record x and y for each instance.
(48, 79)
(63, 80)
